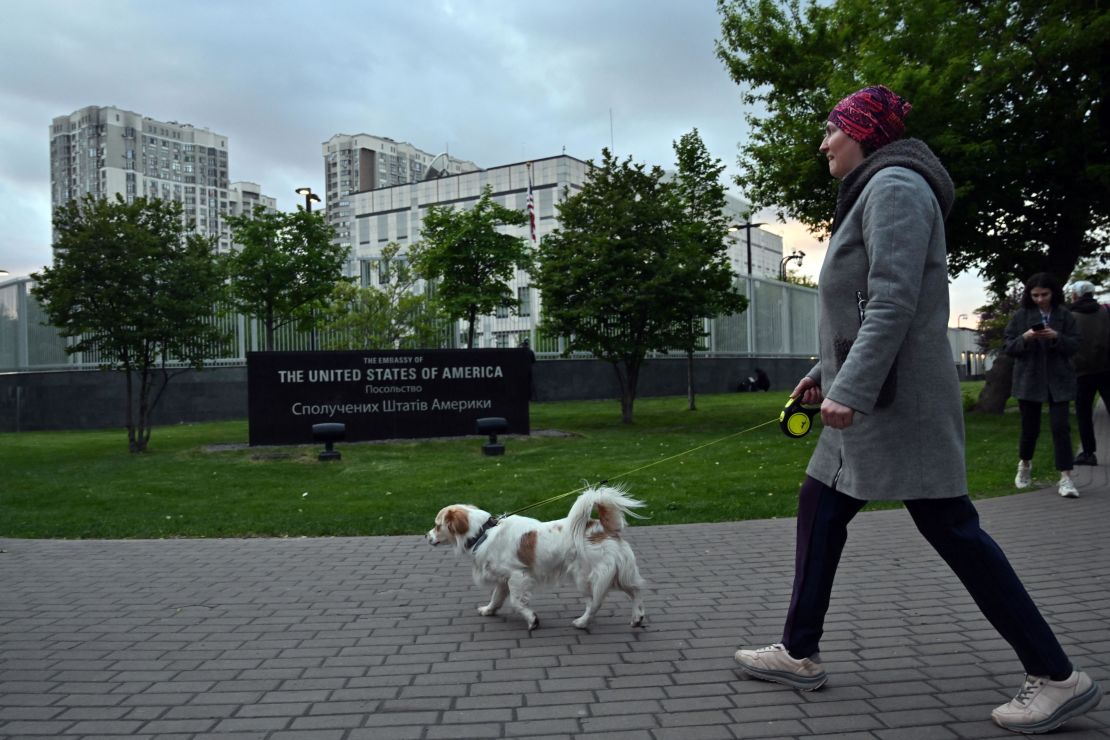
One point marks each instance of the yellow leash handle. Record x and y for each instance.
(796, 420)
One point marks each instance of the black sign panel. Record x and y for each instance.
(385, 394)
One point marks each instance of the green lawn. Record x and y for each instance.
(688, 467)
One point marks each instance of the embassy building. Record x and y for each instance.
(372, 218)
(396, 213)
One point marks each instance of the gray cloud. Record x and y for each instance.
(494, 82)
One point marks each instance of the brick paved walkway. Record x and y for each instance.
(358, 638)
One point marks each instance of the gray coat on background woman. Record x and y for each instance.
(1042, 369)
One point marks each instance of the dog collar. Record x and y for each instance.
(473, 543)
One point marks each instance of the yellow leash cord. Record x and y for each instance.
(642, 467)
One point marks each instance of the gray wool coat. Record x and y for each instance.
(889, 358)
(1042, 369)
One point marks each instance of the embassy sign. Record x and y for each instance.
(384, 394)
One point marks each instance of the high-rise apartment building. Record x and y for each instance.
(355, 164)
(107, 150)
(243, 197)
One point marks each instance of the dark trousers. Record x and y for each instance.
(951, 526)
(1087, 387)
(1057, 421)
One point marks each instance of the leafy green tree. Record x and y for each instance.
(393, 316)
(470, 260)
(993, 319)
(704, 280)
(284, 269)
(131, 288)
(1011, 94)
(796, 278)
(607, 273)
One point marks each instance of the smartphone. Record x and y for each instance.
(1039, 326)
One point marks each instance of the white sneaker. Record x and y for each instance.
(1044, 705)
(1067, 488)
(774, 663)
(1024, 475)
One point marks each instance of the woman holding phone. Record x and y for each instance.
(1041, 337)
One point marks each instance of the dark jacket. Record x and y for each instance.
(1042, 369)
(1094, 332)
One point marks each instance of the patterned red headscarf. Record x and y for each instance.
(873, 116)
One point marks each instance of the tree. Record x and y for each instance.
(394, 316)
(285, 268)
(1011, 94)
(705, 283)
(470, 260)
(607, 273)
(993, 319)
(129, 287)
(796, 278)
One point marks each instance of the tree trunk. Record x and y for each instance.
(142, 432)
(130, 413)
(270, 332)
(1000, 378)
(627, 382)
(692, 404)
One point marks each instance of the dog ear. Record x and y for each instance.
(610, 517)
(457, 520)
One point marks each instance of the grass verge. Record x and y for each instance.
(196, 480)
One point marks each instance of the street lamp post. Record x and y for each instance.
(747, 226)
(309, 196)
(797, 255)
(958, 318)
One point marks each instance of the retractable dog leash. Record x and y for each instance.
(795, 420)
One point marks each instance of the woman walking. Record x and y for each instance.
(891, 407)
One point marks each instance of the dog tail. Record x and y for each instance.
(612, 507)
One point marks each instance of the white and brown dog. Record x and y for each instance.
(517, 553)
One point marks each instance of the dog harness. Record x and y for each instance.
(473, 543)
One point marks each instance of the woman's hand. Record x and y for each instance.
(807, 391)
(836, 415)
(1046, 334)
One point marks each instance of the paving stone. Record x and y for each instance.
(287, 639)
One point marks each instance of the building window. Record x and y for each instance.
(524, 296)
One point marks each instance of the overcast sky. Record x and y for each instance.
(491, 81)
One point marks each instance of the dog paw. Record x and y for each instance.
(533, 623)
(638, 621)
(486, 611)
(581, 623)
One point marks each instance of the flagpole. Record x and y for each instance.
(531, 208)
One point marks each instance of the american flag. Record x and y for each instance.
(531, 206)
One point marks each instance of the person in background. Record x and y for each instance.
(1092, 364)
(757, 382)
(1042, 336)
(892, 411)
(527, 346)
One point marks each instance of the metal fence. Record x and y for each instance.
(781, 321)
